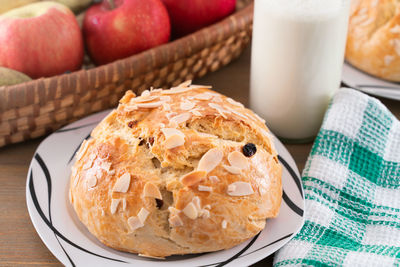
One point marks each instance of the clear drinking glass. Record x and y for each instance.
(296, 64)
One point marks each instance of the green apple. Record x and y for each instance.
(11, 77)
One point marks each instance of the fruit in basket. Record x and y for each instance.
(6, 5)
(11, 77)
(40, 39)
(118, 29)
(188, 16)
(75, 5)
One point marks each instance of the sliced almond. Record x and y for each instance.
(171, 131)
(196, 112)
(170, 115)
(89, 162)
(145, 99)
(240, 189)
(134, 223)
(150, 105)
(190, 211)
(82, 150)
(214, 179)
(239, 114)
(203, 96)
(122, 184)
(259, 118)
(218, 108)
(185, 83)
(114, 205)
(165, 98)
(232, 169)
(145, 93)
(166, 106)
(142, 215)
(151, 190)
(176, 90)
(204, 188)
(181, 118)
(224, 224)
(204, 213)
(91, 181)
(235, 103)
(130, 108)
(123, 204)
(193, 177)
(196, 86)
(210, 160)
(174, 141)
(217, 99)
(173, 211)
(175, 221)
(238, 160)
(187, 105)
(197, 202)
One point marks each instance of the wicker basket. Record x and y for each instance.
(38, 107)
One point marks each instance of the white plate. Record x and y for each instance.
(69, 240)
(362, 81)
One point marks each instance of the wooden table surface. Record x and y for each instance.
(20, 245)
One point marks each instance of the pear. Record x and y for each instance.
(11, 77)
(6, 5)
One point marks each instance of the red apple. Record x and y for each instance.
(188, 16)
(121, 28)
(40, 39)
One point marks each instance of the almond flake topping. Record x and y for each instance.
(217, 99)
(168, 132)
(166, 106)
(232, 169)
(214, 179)
(190, 211)
(220, 110)
(142, 215)
(122, 184)
(238, 189)
(150, 105)
(259, 118)
(210, 160)
(181, 118)
(91, 181)
(203, 96)
(196, 112)
(89, 162)
(193, 178)
(165, 98)
(224, 224)
(173, 211)
(395, 29)
(235, 103)
(174, 141)
(204, 188)
(114, 205)
(196, 86)
(134, 223)
(187, 105)
(151, 190)
(238, 160)
(143, 99)
(83, 149)
(145, 93)
(123, 204)
(175, 221)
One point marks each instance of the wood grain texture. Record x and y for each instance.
(20, 245)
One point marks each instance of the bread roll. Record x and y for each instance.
(373, 43)
(176, 171)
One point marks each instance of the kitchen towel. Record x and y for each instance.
(352, 189)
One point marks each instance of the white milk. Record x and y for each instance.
(297, 57)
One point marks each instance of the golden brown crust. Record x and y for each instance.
(373, 42)
(153, 146)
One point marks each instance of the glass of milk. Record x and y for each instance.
(296, 62)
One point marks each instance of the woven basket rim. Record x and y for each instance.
(192, 43)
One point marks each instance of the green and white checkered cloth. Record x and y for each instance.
(352, 189)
